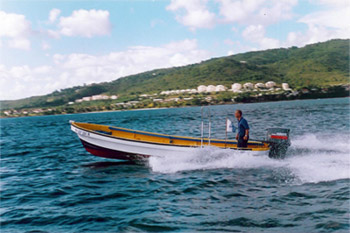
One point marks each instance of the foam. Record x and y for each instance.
(311, 159)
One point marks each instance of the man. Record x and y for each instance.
(243, 130)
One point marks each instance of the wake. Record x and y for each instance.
(311, 159)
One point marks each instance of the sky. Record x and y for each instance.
(51, 45)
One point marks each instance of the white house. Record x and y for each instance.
(236, 87)
(201, 88)
(220, 88)
(99, 97)
(211, 88)
(248, 86)
(259, 85)
(96, 97)
(270, 84)
(285, 86)
(87, 98)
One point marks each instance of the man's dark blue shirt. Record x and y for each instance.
(242, 126)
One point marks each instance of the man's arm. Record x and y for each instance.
(246, 134)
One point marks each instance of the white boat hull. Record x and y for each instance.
(111, 147)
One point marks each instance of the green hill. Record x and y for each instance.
(315, 65)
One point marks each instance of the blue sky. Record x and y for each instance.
(50, 45)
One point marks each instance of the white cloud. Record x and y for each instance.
(13, 25)
(193, 14)
(19, 43)
(85, 23)
(16, 28)
(77, 68)
(42, 69)
(54, 13)
(334, 3)
(237, 47)
(332, 22)
(53, 34)
(249, 12)
(337, 18)
(256, 34)
(45, 45)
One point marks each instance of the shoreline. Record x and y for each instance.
(158, 108)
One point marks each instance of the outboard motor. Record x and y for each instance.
(279, 141)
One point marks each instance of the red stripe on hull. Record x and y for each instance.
(279, 137)
(111, 154)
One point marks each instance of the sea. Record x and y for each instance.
(49, 183)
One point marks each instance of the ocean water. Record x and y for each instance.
(49, 183)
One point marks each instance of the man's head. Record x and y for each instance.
(238, 114)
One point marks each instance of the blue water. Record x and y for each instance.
(49, 183)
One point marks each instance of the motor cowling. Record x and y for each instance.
(278, 139)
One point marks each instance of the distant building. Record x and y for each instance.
(211, 88)
(171, 99)
(157, 100)
(220, 88)
(248, 86)
(236, 87)
(259, 85)
(201, 88)
(37, 110)
(270, 84)
(87, 98)
(99, 97)
(285, 86)
(114, 97)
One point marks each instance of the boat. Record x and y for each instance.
(133, 145)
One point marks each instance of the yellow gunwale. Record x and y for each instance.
(164, 139)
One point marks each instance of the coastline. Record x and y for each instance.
(158, 108)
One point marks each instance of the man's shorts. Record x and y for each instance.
(242, 143)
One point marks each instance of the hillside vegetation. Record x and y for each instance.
(316, 65)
